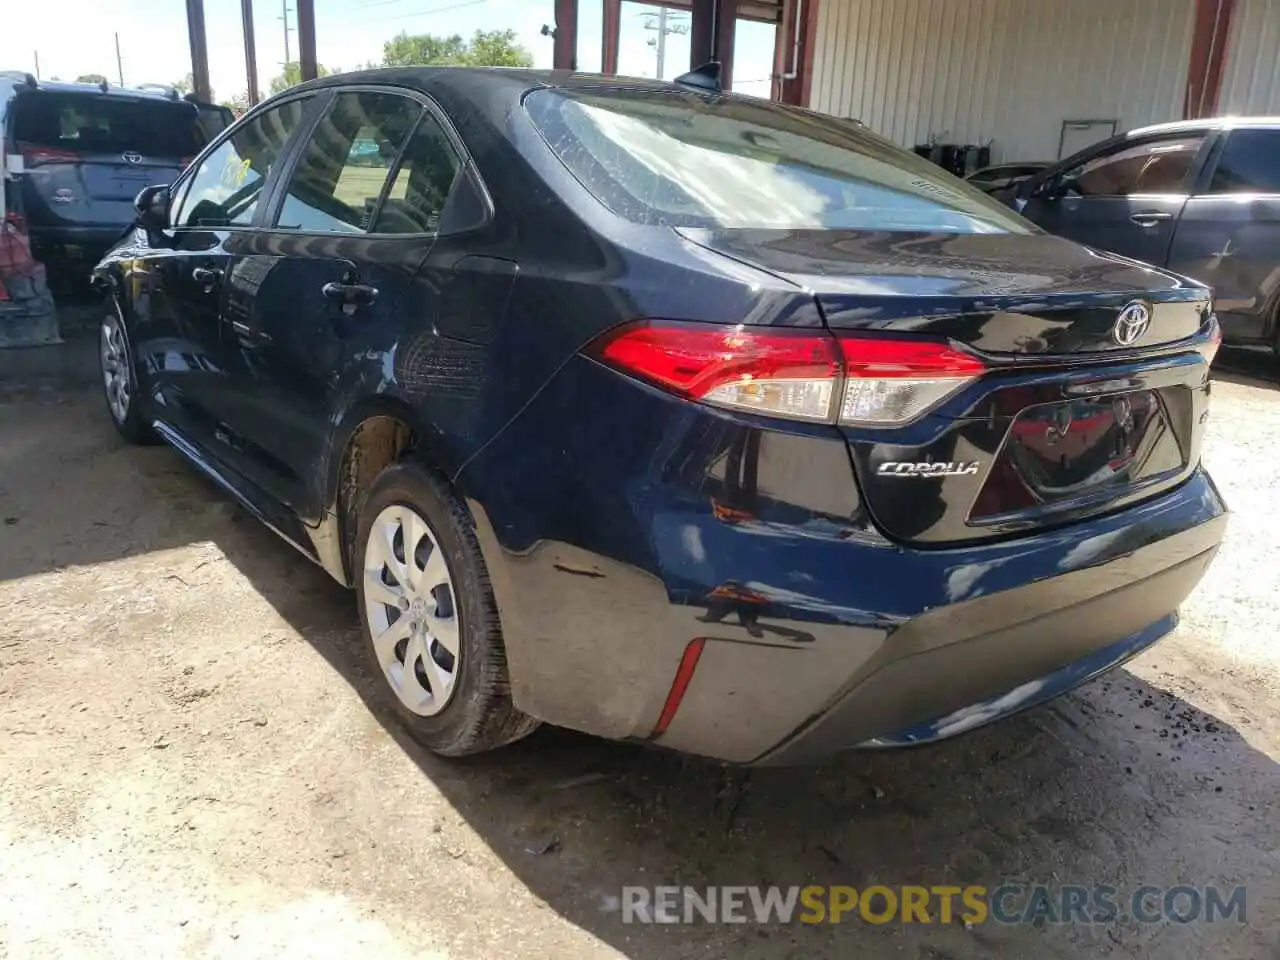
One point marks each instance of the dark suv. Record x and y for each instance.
(669, 415)
(85, 151)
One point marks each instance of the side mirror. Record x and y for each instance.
(152, 206)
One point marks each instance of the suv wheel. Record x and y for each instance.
(120, 381)
(429, 617)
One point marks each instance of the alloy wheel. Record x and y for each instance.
(412, 616)
(116, 376)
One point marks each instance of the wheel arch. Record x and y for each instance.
(372, 434)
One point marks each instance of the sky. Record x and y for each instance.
(73, 37)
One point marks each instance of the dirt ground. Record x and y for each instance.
(190, 765)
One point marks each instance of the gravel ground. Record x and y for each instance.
(189, 765)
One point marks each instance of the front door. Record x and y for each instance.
(213, 212)
(1126, 197)
(334, 283)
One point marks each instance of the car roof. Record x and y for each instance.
(516, 80)
(15, 82)
(1204, 124)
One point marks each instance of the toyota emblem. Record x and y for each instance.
(1132, 323)
(130, 156)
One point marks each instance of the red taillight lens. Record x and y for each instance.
(33, 156)
(781, 373)
(798, 374)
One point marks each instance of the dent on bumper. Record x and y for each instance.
(1028, 694)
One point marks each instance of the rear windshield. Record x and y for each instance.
(684, 159)
(107, 124)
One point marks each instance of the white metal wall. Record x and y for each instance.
(1251, 75)
(1009, 70)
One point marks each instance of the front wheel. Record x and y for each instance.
(120, 381)
(429, 617)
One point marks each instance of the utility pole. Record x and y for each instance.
(37, 53)
(250, 52)
(119, 62)
(662, 26)
(284, 15)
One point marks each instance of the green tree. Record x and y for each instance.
(498, 48)
(91, 78)
(186, 84)
(486, 48)
(293, 74)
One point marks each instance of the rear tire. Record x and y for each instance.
(125, 403)
(428, 615)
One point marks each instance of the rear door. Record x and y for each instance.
(334, 282)
(88, 155)
(1229, 233)
(1126, 197)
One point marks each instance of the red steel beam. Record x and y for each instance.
(1208, 57)
(612, 29)
(793, 52)
(565, 53)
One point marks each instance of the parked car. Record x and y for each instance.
(79, 153)
(667, 415)
(1002, 178)
(1201, 197)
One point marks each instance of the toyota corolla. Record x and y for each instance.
(669, 415)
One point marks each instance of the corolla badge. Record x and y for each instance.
(130, 156)
(1132, 323)
(928, 468)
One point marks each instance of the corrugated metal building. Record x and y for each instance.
(1038, 78)
(1252, 81)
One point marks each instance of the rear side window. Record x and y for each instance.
(683, 159)
(339, 178)
(1157, 166)
(92, 124)
(423, 183)
(225, 189)
(1250, 163)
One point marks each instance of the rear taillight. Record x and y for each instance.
(792, 373)
(890, 382)
(33, 156)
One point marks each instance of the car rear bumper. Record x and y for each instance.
(597, 645)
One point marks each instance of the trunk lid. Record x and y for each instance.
(1079, 412)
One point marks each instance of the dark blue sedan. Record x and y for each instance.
(669, 415)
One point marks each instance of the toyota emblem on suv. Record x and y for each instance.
(1132, 323)
(130, 156)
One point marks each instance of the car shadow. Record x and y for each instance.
(1250, 366)
(1120, 783)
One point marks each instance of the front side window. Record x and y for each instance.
(684, 159)
(225, 189)
(339, 178)
(1250, 163)
(1157, 166)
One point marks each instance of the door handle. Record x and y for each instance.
(206, 276)
(350, 294)
(1150, 218)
